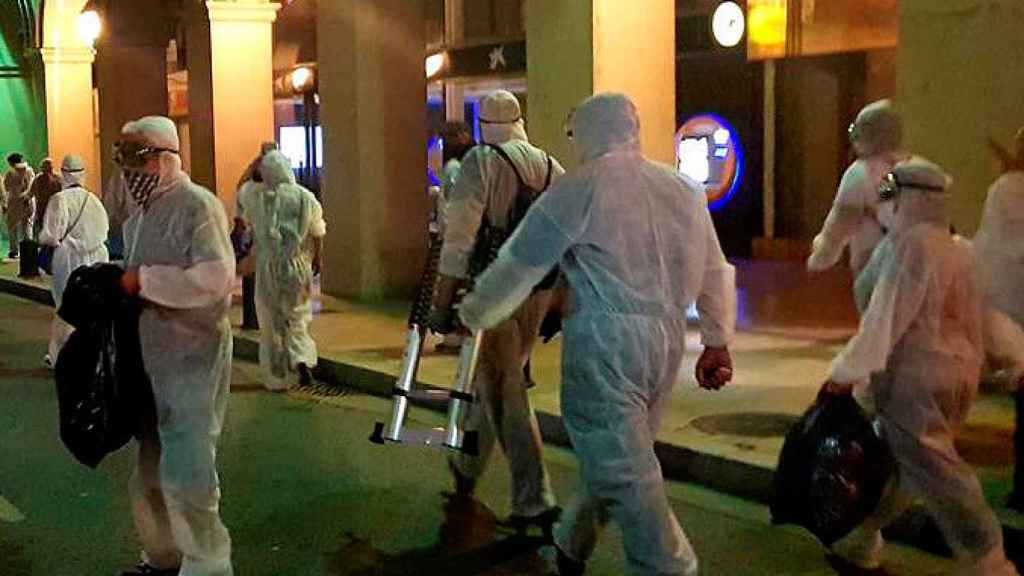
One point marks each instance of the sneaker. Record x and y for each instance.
(144, 569)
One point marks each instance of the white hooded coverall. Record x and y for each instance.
(179, 240)
(637, 246)
(502, 413)
(18, 205)
(81, 245)
(916, 360)
(853, 219)
(999, 248)
(284, 218)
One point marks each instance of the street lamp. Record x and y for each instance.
(89, 26)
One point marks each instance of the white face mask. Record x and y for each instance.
(887, 214)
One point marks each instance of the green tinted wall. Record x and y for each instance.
(22, 100)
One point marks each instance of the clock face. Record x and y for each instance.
(708, 151)
(728, 24)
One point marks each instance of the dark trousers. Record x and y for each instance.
(249, 321)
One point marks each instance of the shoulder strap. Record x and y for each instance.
(77, 218)
(551, 167)
(508, 159)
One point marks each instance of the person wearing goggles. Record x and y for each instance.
(180, 265)
(876, 136)
(915, 362)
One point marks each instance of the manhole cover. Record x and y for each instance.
(750, 424)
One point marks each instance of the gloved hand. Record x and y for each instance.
(714, 368)
(442, 320)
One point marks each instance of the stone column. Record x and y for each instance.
(67, 60)
(959, 82)
(231, 98)
(373, 94)
(578, 48)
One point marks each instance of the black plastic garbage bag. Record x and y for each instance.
(93, 420)
(103, 392)
(92, 294)
(832, 470)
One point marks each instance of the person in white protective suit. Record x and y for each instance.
(75, 224)
(288, 229)
(457, 141)
(915, 362)
(999, 249)
(486, 188)
(179, 262)
(17, 202)
(637, 246)
(876, 136)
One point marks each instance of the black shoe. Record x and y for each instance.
(567, 566)
(305, 376)
(545, 521)
(144, 569)
(464, 485)
(12, 255)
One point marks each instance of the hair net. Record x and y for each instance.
(877, 129)
(605, 123)
(73, 170)
(915, 205)
(501, 118)
(159, 132)
(276, 170)
(156, 131)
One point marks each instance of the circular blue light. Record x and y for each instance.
(737, 150)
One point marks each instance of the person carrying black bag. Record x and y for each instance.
(74, 234)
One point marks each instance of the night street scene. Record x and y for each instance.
(511, 287)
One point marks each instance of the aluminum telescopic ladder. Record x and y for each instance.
(405, 391)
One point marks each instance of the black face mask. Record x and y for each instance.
(140, 185)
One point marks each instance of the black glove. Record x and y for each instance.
(442, 320)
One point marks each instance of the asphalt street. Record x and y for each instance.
(305, 493)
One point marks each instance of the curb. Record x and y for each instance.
(678, 463)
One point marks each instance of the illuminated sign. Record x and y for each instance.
(708, 151)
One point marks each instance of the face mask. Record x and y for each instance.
(887, 215)
(141, 185)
